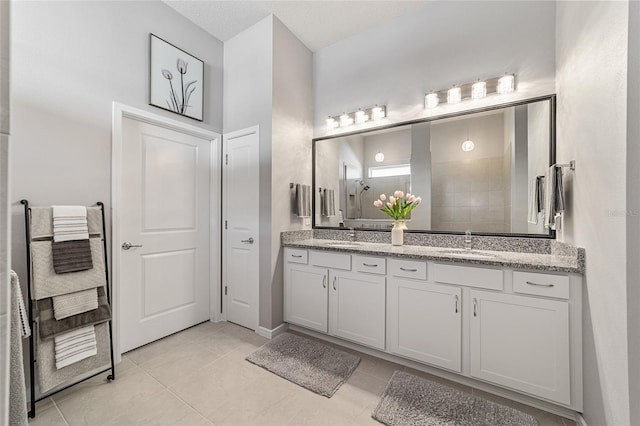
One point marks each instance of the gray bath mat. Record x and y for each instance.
(410, 400)
(310, 364)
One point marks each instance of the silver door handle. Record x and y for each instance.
(127, 245)
(250, 241)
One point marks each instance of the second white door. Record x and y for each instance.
(241, 217)
(164, 221)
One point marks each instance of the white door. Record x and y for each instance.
(306, 296)
(241, 215)
(522, 343)
(164, 214)
(425, 322)
(357, 307)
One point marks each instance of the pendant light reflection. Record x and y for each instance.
(379, 157)
(468, 145)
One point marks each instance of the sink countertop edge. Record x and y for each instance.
(516, 260)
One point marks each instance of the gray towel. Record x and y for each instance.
(328, 203)
(303, 200)
(19, 329)
(554, 196)
(50, 327)
(49, 377)
(42, 222)
(67, 305)
(71, 256)
(46, 283)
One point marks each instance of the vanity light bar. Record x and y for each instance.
(360, 116)
(476, 90)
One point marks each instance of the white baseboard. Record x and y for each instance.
(270, 334)
(580, 421)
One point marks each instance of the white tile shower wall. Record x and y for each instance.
(469, 196)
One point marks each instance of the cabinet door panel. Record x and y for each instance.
(306, 297)
(357, 308)
(425, 322)
(522, 343)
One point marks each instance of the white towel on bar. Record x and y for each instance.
(70, 223)
(532, 214)
(303, 200)
(328, 203)
(75, 346)
(18, 330)
(67, 305)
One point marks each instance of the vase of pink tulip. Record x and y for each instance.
(398, 207)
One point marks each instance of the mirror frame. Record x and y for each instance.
(552, 160)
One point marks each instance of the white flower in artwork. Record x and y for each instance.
(179, 102)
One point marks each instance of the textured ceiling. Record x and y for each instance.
(316, 23)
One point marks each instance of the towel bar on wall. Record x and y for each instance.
(571, 165)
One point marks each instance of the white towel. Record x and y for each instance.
(554, 196)
(18, 330)
(70, 223)
(67, 305)
(75, 346)
(303, 200)
(532, 214)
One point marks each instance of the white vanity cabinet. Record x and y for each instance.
(425, 322)
(326, 296)
(515, 329)
(521, 342)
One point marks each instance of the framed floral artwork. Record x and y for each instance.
(176, 79)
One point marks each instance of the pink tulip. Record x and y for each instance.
(389, 205)
(398, 194)
(418, 200)
(411, 198)
(377, 203)
(392, 200)
(383, 197)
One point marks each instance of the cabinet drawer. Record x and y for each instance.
(408, 269)
(372, 265)
(469, 276)
(296, 255)
(328, 259)
(541, 284)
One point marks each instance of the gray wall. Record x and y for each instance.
(591, 83)
(633, 206)
(5, 258)
(67, 72)
(444, 43)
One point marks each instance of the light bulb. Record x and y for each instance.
(345, 120)
(506, 84)
(377, 113)
(478, 90)
(431, 100)
(454, 95)
(379, 157)
(361, 117)
(331, 123)
(468, 145)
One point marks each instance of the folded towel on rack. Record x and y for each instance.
(303, 200)
(49, 376)
(49, 326)
(46, 283)
(540, 192)
(554, 196)
(75, 346)
(18, 330)
(42, 221)
(67, 305)
(70, 223)
(328, 207)
(71, 256)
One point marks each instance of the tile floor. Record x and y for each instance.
(199, 377)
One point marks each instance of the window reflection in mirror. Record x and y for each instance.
(473, 172)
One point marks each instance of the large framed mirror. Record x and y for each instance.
(476, 170)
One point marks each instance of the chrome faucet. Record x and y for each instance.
(352, 234)
(468, 242)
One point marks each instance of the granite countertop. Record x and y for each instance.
(561, 261)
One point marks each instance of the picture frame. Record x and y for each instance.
(176, 79)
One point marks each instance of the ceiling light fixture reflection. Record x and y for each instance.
(468, 145)
(379, 157)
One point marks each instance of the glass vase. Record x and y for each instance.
(397, 232)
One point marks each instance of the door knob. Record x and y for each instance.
(250, 241)
(127, 245)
